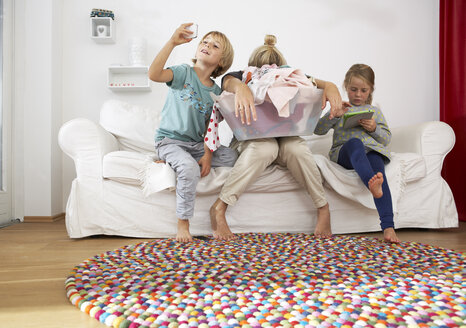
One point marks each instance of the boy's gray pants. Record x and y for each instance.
(183, 156)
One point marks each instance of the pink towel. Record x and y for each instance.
(284, 89)
(278, 85)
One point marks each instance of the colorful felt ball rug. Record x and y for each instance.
(273, 280)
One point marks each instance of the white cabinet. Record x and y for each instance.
(128, 78)
(102, 30)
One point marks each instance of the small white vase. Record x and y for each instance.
(137, 51)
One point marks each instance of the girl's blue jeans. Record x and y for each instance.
(353, 156)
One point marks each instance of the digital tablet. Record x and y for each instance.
(351, 120)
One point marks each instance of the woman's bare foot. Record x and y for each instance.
(390, 236)
(323, 227)
(375, 185)
(183, 235)
(218, 221)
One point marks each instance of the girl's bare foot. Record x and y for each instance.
(375, 185)
(183, 235)
(323, 227)
(390, 236)
(218, 221)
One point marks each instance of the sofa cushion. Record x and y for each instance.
(133, 126)
(138, 169)
(124, 166)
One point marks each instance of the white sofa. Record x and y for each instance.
(107, 196)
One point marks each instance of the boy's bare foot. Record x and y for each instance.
(183, 235)
(390, 236)
(218, 221)
(323, 227)
(375, 185)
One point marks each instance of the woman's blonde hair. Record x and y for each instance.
(267, 54)
(363, 72)
(227, 53)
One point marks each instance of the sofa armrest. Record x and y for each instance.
(428, 138)
(433, 140)
(86, 143)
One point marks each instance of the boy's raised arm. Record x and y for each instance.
(157, 72)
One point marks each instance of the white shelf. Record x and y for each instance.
(102, 30)
(128, 78)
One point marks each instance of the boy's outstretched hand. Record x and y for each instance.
(181, 34)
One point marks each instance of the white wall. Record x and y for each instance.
(398, 38)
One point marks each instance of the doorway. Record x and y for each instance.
(6, 82)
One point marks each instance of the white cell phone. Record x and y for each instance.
(192, 28)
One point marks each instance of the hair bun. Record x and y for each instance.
(270, 40)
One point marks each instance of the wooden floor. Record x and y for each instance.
(36, 258)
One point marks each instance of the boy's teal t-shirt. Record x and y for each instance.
(187, 108)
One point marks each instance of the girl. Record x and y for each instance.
(179, 140)
(255, 155)
(364, 147)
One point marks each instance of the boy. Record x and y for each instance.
(179, 140)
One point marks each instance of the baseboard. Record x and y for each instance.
(44, 219)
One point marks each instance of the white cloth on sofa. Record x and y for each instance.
(348, 184)
(156, 177)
